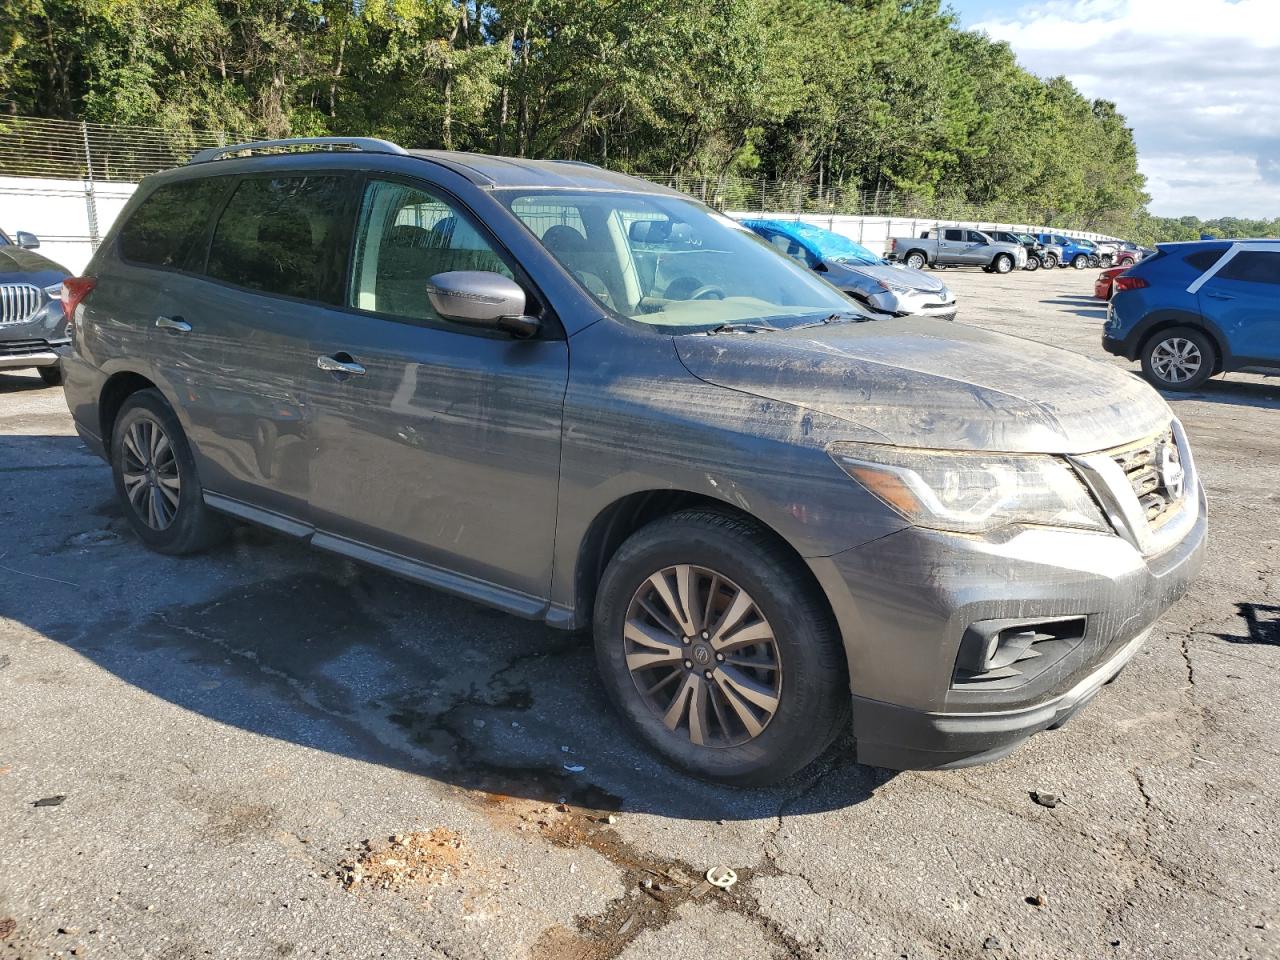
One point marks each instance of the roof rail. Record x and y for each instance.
(366, 144)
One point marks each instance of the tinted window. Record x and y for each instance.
(975, 237)
(284, 235)
(4, 241)
(954, 234)
(170, 226)
(1204, 259)
(1254, 266)
(404, 237)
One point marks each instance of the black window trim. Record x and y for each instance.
(552, 328)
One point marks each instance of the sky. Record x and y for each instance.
(1198, 81)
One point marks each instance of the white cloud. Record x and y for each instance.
(1198, 80)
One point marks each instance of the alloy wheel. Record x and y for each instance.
(1176, 360)
(149, 470)
(703, 656)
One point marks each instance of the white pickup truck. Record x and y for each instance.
(957, 246)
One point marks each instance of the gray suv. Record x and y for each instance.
(591, 401)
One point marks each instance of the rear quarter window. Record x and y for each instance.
(1204, 259)
(169, 227)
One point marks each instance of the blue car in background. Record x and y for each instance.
(880, 286)
(1196, 309)
(1075, 253)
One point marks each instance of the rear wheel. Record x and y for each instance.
(52, 376)
(1003, 263)
(718, 650)
(1033, 262)
(1180, 358)
(1050, 261)
(1079, 261)
(155, 478)
(916, 260)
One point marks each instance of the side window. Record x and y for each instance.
(1202, 260)
(1253, 266)
(284, 235)
(404, 236)
(169, 228)
(976, 237)
(953, 234)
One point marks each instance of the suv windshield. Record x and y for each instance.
(671, 262)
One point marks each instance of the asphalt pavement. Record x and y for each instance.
(267, 751)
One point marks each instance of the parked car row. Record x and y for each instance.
(998, 251)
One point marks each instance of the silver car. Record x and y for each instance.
(593, 402)
(885, 288)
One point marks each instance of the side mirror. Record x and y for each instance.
(649, 231)
(483, 299)
(28, 241)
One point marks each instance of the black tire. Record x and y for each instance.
(52, 376)
(1003, 263)
(1080, 261)
(916, 260)
(1172, 340)
(1126, 262)
(1050, 261)
(192, 526)
(1033, 263)
(813, 690)
(1105, 260)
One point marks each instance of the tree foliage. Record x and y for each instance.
(866, 94)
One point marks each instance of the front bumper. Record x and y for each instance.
(904, 603)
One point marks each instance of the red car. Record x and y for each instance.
(1102, 286)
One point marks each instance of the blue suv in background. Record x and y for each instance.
(1196, 309)
(1075, 253)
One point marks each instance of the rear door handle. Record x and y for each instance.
(173, 323)
(1219, 296)
(340, 363)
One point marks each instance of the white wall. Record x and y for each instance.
(874, 232)
(57, 211)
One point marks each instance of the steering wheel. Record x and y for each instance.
(708, 291)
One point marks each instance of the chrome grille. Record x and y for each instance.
(19, 302)
(1142, 467)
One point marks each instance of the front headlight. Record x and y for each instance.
(971, 492)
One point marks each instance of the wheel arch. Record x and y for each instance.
(1157, 323)
(115, 391)
(611, 527)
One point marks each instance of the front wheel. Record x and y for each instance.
(1180, 358)
(1033, 263)
(1003, 263)
(1079, 261)
(718, 650)
(1050, 261)
(155, 478)
(52, 376)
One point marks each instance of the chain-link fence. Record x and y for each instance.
(68, 180)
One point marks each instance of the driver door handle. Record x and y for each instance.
(1219, 296)
(336, 364)
(173, 323)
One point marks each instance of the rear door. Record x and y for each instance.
(234, 345)
(1243, 299)
(440, 455)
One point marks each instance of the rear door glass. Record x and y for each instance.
(170, 227)
(1253, 266)
(285, 235)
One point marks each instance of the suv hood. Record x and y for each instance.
(919, 382)
(899, 276)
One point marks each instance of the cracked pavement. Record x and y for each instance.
(228, 730)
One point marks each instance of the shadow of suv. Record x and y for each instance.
(585, 399)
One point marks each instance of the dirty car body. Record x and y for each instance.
(979, 530)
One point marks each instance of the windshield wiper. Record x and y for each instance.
(843, 317)
(742, 327)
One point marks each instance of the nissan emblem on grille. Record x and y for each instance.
(1171, 472)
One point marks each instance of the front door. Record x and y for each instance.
(1243, 299)
(437, 449)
